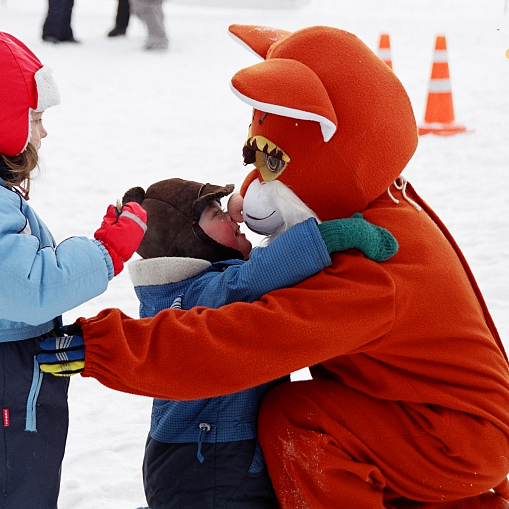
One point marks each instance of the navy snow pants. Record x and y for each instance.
(34, 429)
(174, 478)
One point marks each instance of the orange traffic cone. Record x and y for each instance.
(439, 116)
(384, 49)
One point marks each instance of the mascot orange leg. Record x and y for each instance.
(484, 501)
(328, 446)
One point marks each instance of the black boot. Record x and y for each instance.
(121, 19)
(116, 32)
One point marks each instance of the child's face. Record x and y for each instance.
(37, 129)
(218, 225)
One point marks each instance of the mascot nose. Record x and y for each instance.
(259, 213)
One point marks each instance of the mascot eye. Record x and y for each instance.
(274, 164)
(270, 159)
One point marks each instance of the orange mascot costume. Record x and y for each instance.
(402, 411)
(409, 401)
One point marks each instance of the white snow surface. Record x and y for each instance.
(130, 118)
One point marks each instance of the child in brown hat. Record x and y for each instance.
(204, 453)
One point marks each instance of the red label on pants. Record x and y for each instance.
(6, 417)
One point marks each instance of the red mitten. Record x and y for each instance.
(122, 233)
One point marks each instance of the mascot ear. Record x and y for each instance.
(287, 88)
(257, 39)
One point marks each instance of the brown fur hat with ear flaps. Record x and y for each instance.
(174, 207)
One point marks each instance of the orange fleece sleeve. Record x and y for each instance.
(208, 352)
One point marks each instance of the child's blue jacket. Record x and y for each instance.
(292, 257)
(39, 280)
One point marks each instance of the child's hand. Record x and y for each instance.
(63, 356)
(121, 233)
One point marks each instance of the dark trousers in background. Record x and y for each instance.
(123, 14)
(58, 20)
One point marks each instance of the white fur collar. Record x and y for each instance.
(160, 271)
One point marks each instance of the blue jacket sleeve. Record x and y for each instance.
(293, 256)
(38, 281)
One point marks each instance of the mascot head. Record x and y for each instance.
(331, 121)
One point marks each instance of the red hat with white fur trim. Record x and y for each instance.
(25, 84)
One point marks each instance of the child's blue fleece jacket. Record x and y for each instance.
(292, 257)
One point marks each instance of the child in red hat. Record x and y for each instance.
(39, 282)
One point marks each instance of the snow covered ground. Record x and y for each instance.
(132, 118)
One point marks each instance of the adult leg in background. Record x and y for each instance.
(57, 27)
(121, 19)
(152, 15)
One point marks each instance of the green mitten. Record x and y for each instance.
(377, 243)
